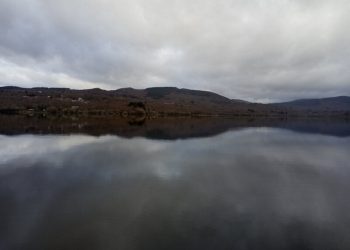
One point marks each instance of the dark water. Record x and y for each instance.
(251, 188)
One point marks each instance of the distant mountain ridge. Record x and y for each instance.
(157, 101)
(339, 102)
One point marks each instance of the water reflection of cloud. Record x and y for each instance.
(315, 151)
(237, 186)
(13, 147)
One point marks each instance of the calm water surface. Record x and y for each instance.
(254, 188)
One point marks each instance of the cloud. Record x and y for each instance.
(256, 50)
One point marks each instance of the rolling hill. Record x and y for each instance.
(332, 103)
(155, 102)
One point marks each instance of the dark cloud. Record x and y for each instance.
(255, 50)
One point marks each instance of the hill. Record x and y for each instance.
(332, 103)
(155, 102)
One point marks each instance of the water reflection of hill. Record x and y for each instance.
(167, 128)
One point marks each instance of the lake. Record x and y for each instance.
(240, 187)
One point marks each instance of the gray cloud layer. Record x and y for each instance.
(257, 50)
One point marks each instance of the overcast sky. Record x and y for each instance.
(258, 50)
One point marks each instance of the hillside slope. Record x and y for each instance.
(158, 101)
(332, 103)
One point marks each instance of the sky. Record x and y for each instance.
(256, 50)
